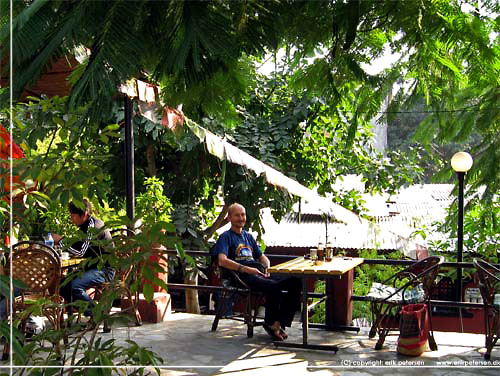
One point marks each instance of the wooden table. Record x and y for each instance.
(305, 268)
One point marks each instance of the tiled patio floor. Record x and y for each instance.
(188, 347)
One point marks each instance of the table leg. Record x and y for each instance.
(305, 312)
(338, 306)
(305, 328)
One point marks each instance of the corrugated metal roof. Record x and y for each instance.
(309, 234)
(406, 212)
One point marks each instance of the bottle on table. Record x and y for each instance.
(321, 252)
(313, 254)
(49, 240)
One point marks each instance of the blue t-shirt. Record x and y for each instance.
(237, 247)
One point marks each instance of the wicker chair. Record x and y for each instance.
(124, 276)
(235, 290)
(489, 285)
(416, 285)
(38, 267)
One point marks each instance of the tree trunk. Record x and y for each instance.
(219, 222)
(192, 304)
(150, 158)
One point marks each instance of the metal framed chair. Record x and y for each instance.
(124, 277)
(411, 285)
(38, 267)
(489, 286)
(234, 290)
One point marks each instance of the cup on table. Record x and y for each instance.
(314, 254)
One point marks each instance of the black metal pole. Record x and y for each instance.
(129, 158)
(460, 233)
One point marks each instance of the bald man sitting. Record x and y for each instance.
(237, 250)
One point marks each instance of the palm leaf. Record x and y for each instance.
(114, 56)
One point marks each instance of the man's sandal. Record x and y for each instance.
(275, 335)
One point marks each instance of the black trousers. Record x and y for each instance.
(282, 296)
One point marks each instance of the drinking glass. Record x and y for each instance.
(321, 252)
(328, 253)
(314, 254)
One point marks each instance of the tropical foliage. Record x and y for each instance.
(310, 117)
(65, 155)
(201, 54)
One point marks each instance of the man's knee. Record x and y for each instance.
(259, 283)
(77, 284)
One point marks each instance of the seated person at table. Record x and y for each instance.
(92, 276)
(237, 250)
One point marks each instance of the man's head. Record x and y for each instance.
(237, 216)
(78, 215)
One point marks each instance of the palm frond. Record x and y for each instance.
(193, 48)
(114, 56)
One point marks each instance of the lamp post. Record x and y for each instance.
(461, 162)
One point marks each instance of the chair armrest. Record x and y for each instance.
(404, 274)
(224, 273)
(237, 278)
(414, 281)
(391, 280)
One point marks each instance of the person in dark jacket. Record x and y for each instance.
(77, 288)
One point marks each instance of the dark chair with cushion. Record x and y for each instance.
(411, 285)
(489, 285)
(234, 290)
(38, 267)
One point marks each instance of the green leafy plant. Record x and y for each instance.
(66, 158)
(65, 161)
(152, 205)
(78, 344)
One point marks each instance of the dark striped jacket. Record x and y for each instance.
(85, 248)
